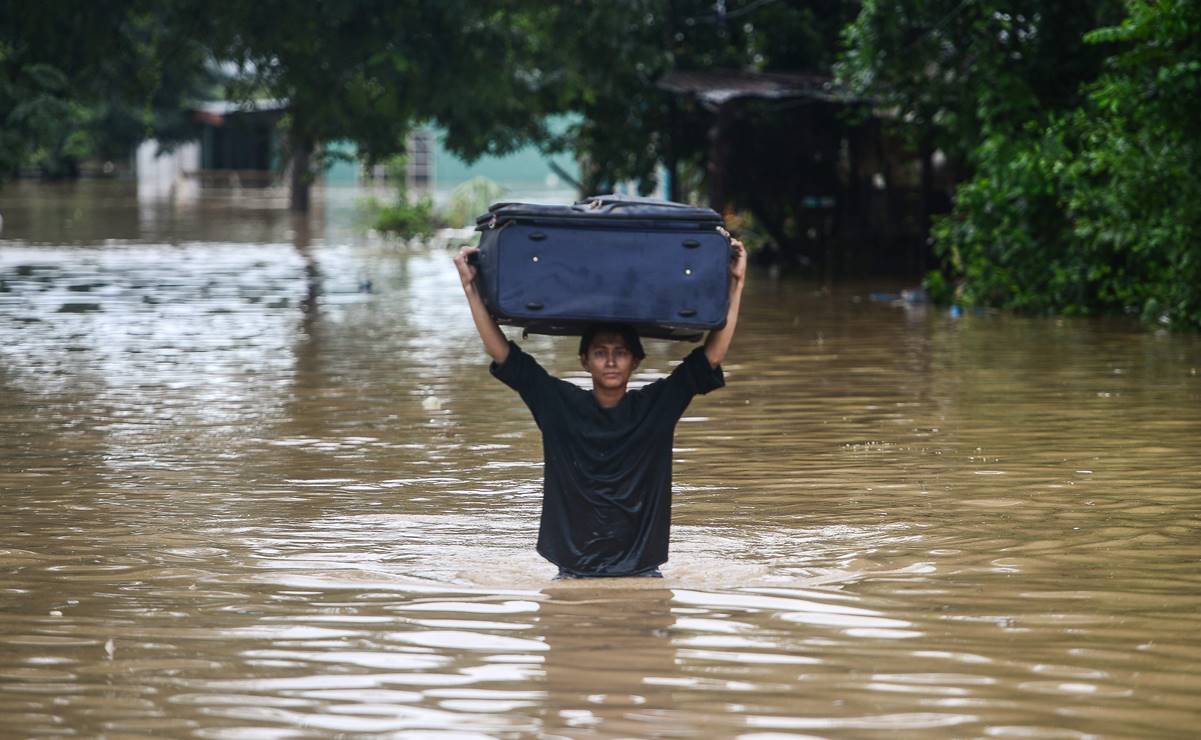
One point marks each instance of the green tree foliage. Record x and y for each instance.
(1076, 125)
(489, 73)
(954, 72)
(367, 70)
(89, 80)
(604, 60)
(1135, 196)
(1098, 210)
(92, 79)
(1003, 238)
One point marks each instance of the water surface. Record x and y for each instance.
(257, 482)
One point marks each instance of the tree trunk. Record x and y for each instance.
(302, 176)
(673, 164)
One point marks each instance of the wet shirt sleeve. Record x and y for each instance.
(523, 374)
(696, 376)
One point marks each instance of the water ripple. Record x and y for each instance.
(245, 497)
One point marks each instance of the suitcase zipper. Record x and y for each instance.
(584, 220)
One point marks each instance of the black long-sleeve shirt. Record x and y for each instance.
(606, 505)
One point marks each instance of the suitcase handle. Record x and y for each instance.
(534, 306)
(687, 312)
(473, 259)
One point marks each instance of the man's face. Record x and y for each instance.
(609, 360)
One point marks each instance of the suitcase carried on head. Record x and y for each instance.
(662, 267)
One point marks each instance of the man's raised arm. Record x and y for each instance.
(718, 342)
(494, 339)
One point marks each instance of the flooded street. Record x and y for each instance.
(256, 481)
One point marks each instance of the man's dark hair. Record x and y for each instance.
(627, 333)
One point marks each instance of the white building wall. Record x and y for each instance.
(169, 175)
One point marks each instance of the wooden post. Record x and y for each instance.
(719, 156)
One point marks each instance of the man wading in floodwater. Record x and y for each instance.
(606, 497)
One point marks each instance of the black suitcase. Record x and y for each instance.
(662, 267)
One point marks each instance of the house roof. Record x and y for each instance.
(214, 112)
(719, 86)
(226, 107)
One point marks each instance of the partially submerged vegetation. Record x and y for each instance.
(411, 216)
(1079, 129)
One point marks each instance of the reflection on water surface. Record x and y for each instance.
(257, 482)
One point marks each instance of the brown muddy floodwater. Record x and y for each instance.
(257, 482)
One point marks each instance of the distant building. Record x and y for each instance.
(239, 145)
(817, 167)
(241, 141)
(242, 146)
